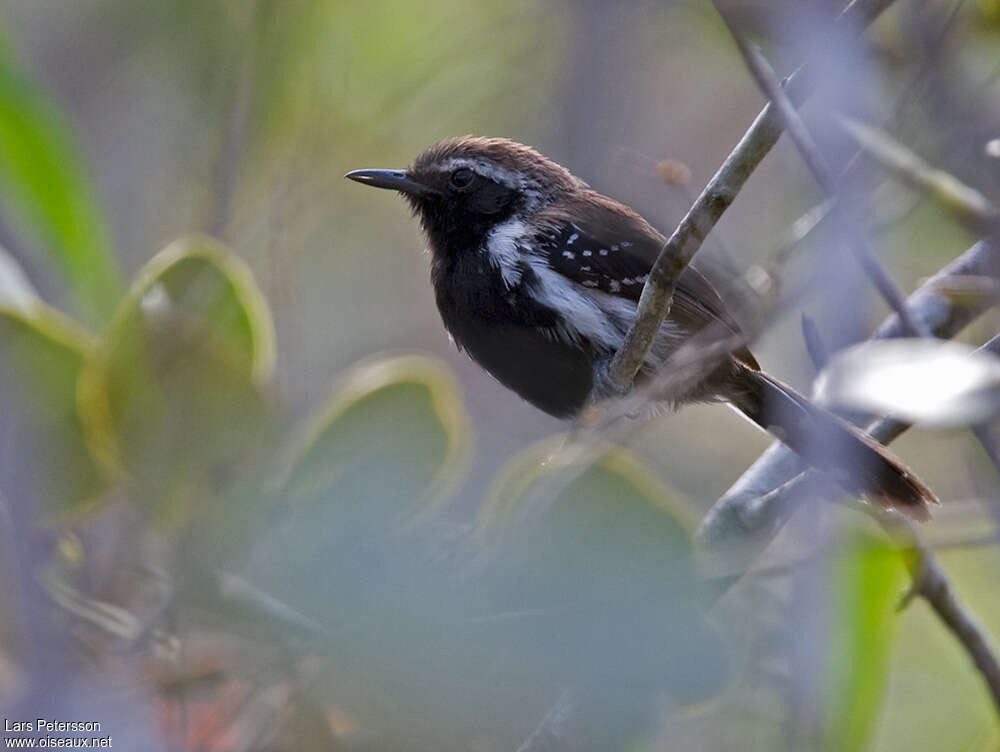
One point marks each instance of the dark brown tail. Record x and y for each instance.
(857, 462)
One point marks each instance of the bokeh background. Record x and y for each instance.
(238, 119)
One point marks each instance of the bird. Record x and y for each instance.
(537, 277)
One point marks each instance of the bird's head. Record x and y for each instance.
(462, 188)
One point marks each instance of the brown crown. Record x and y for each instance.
(504, 153)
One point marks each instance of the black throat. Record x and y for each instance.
(453, 231)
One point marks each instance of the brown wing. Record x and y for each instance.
(602, 244)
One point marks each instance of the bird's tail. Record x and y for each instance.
(858, 463)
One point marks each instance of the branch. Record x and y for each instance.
(931, 583)
(553, 733)
(764, 75)
(718, 195)
(754, 519)
(756, 507)
(969, 206)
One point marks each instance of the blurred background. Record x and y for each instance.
(311, 589)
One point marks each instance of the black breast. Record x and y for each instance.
(510, 334)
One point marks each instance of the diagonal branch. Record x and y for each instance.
(745, 516)
(755, 507)
(968, 205)
(708, 208)
(768, 82)
(931, 583)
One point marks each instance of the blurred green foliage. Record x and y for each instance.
(430, 632)
(46, 187)
(168, 409)
(174, 389)
(867, 577)
(43, 356)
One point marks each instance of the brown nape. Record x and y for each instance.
(857, 462)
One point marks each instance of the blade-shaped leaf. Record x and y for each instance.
(932, 382)
(866, 583)
(46, 190)
(172, 397)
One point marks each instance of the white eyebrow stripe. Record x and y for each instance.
(482, 167)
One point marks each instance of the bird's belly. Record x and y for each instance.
(553, 376)
(519, 333)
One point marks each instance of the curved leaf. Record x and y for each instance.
(172, 396)
(42, 356)
(393, 436)
(601, 552)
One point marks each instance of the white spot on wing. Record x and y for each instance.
(572, 238)
(586, 253)
(569, 254)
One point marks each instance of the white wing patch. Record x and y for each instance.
(586, 313)
(589, 314)
(502, 246)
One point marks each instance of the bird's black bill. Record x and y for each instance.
(396, 180)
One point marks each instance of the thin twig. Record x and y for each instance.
(552, 734)
(754, 507)
(761, 516)
(768, 82)
(931, 583)
(797, 564)
(718, 195)
(819, 354)
(969, 206)
(779, 465)
(760, 502)
(234, 134)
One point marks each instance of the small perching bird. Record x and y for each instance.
(537, 278)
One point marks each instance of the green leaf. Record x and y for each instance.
(393, 437)
(42, 356)
(172, 398)
(601, 551)
(866, 585)
(46, 190)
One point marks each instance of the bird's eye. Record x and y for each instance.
(461, 178)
